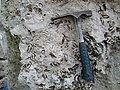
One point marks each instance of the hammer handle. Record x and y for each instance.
(5, 85)
(86, 66)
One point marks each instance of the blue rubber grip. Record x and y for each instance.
(86, 66)
(5, 87)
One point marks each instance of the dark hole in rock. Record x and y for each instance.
(29, 7)
(85, 0)
(52, 55)
(96, 70)
(17, 12)
(43, 51)
(52, 87)
(104, 6)
(44, 15)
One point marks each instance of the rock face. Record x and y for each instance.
(1, 53)
(3, 61)
(43, 54)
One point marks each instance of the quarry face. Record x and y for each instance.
(41, 54)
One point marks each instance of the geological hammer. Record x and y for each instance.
(86, 66)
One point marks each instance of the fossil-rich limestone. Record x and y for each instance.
(1, 52)
(44, 55)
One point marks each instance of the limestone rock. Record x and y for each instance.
(1, 52)
(44, 54)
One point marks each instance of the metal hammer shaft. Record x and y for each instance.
(86, 66)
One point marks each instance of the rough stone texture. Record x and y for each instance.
(48, 51)
(1, 52)
(3, 43)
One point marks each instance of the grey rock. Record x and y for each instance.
(31, 31)
(1, 52)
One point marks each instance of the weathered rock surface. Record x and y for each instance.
(3, 61)
(43, 54)
(1, 52)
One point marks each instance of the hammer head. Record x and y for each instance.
(86, 13)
